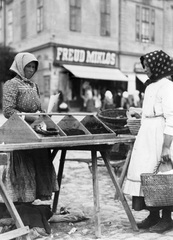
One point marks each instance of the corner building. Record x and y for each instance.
(85, 42)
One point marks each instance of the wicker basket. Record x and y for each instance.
(157, 189)
(134, 125)
(113, 118)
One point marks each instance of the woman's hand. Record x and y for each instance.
(30, 118)
(166, 154)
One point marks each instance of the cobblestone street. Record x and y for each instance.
(77, 192)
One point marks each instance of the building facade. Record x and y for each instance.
(85, 42)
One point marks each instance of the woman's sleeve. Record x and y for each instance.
(10, 91)
(167, 105)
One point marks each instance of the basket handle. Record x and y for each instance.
(169, 164)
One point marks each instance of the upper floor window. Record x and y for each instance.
(10, 26)
(1, 40)
(39, 15)
(8, 1)
(75, 15)
(23, 19)
(145, 24)
(105, 18)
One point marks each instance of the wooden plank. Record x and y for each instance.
(58, 114)
(119, 190)
(16, 130)
(14, 214)
(16, 233)
(60, 173)
(10, 206)
(125, 167)
(65, 144)
(96, 194)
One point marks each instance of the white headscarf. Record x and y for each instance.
(20, 61)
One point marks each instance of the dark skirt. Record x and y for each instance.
(30, 175)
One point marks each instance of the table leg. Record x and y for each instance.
(59, 178)
(125, 167)
(119, 191)
(96, 194)
(126, 164)
(21, 229)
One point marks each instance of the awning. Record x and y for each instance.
(96, 73)
(142, 77)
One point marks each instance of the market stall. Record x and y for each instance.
(89, 134)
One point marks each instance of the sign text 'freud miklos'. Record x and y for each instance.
(84, 56)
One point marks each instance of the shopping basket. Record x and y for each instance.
(157, 188)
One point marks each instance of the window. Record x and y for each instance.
(153, 26)
(23, 19)
(75, 15)
(8, 1)
(10, 26)
(1, 30)
(39, 15)
(105, 18)
(1, 4)
(145, 24)
(137, 22)
(47, 86)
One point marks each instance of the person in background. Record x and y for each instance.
(90, 102)
(125, 100)
(30, 174)
(108, 101)
(62, 105)
(97, 99)
(154, 139)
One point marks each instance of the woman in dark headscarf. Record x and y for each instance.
(30, 174)
(154, 138)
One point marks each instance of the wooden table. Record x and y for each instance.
(101, 145)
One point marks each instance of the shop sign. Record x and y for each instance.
(64, 54)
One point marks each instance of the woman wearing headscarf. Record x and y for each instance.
(154, 139)
(108, 101)
(30, 174)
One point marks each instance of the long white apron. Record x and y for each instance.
(146, 153)
(148, 145)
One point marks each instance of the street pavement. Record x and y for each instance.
(77, 193)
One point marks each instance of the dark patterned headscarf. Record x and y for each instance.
(160, 64)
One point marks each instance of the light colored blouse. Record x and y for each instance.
(158, 101)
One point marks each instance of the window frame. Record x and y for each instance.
(145, 24)
(40, 18)
(105, 18)
(75, 15)
(10, 26)
(23, 19)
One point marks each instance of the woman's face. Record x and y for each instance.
(147, 70)
(30, 69)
